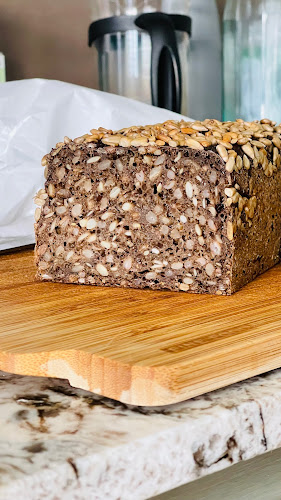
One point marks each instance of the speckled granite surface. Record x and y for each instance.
(60, 443)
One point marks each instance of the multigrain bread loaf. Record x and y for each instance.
(191, 206)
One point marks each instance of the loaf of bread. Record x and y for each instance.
(190, 206)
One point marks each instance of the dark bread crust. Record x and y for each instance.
(257, 247)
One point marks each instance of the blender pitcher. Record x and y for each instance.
(143, 49)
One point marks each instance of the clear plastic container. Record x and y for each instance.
(124, 58)
(252, 59)
(124, 61)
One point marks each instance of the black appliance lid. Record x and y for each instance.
(116, 24)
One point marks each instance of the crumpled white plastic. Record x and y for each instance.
(34, 116)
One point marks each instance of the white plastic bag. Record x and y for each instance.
(34, 116)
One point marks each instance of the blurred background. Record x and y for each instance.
(48, 39)
(211, 58)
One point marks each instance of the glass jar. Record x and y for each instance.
(252, 60)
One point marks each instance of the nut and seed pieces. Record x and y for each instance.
(101, 269)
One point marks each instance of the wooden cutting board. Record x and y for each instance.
(138, 346)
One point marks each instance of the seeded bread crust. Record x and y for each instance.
(181, 206)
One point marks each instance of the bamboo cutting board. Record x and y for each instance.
(137, 346)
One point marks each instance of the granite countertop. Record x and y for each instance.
(60, 443)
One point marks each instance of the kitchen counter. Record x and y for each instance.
(57, 442)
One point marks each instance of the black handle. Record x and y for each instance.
(166, 82)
